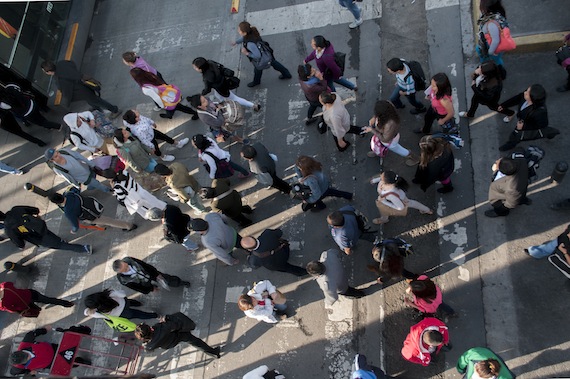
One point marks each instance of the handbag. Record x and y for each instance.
(378, 147)
(506, 43)
(120, 324)
(386, 210)
(93, 84)
(223, 167)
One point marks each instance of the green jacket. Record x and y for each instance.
(467, 361)
(135, 155)
(181, 179)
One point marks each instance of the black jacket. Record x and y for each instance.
(438, 169)
(214, 79)
(534, 117)
(167, 334)
(175, 224)
(22, 224)
(144, 284)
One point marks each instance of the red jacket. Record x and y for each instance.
(43, 352)
(414, 349)
(15, 300)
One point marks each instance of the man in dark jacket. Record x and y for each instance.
(263, 166)
(142, 277)
(172, 330)
(345, 231)
(509, 185)
(174, 225)
(69, 82)
(23, 224)
(270, 251)
(227, 200)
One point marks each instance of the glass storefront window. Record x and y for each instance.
(31, 32)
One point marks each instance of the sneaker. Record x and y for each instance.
(167, 158)
(507, 119)
(195, 117)
(445, 189)
(282, 77)
(356, 23)
(156, 108)
(257, 107)
(182, 143)
(252, 84)
(19, 172)
(88, 249)
(67, 304)
(311, 120)
(464, 114)
(371, 154)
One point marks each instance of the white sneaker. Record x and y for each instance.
(182, 143)
(463, 114)
(167, 158)
(506, 119)
(156, 108)
(356, 23)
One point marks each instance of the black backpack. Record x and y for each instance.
(228, 74)
(91, 208)
(81, 139)
(533, 155)
(361, 220)
(417, 73)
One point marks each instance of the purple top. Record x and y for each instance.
(326, 63)
(141, 63)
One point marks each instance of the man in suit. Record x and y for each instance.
(142, 277)
(509, 185)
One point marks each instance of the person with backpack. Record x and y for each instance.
(389, 255)
(563, 58)
(228, 201)
(323, 53)
(174, 225)
(23, 106)
(347, 227)
(441, 105)
(23, 224)
(23, 300)
(407, 83)
(74, 168)
(70, 82)
(9, 169)
(212, 115)
(145, 130)
(166, 96)
(218, 162)
(312, 84)
(259, 53)
(215, 79)
(78, 207)
(493, 18)
(82, 132)
(508, 186)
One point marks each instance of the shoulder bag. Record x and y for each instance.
(386, 210)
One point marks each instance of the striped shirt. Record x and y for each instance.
(405, 81)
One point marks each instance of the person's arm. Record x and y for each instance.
(252, 51)
(394, 202)
(79, 144)
(262, 313)
(31, 336)
(72, 205)
(310, 57)
(448, 108)
(212, 163)
(495, 32)
(462, 363)
(331, 295)
(221, 254)
(564, 251)
(152, 92)
(313, 184)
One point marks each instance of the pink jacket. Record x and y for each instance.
(414, 349)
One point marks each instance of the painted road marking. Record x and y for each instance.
(312, 15)
(435, 4)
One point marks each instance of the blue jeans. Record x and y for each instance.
(544, 250)
(8, 169)
(395, 99)
(352, 7)
(343, 82)
(280, 307)
(95, 184)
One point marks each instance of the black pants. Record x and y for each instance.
(197, 343)
(568, 80)
(160, 136)
(353, 130)
(130, 313)
(353, 292)
(9, 124)
(313, 105)
(172, 280)
(35, 117)
(182, 108)
(430, 116)
(49, 239)
(279, 262)
(39, 298)
(493, 104)
(83, 93)
(280, 184)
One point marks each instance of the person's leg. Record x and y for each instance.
(331, 85)
(474, 105)
(195, 203)
(313, 105)
(352, 7)
(414, 102)
(183, 108)
(95, 184)
(242, 101)
(398, 149)
(280, 184)
(37, 118)
(160, 136)
(53, 241)
(446, 309)
(337, 193)
(98, 103)
(346, 83)
(419, 206)
(130, 313)
(256, 78)
(292, 269)
(9, 124)
(281, 307)
(239, 168)
(40, 298)
(430, 116)
(355, 129)
(8, 169)
(285, 74)
(544, 250)
(353, 292)
(395, 98)
(241, 220)
(500, 208)
(199, 344)
(157, 151)
(114, 223)
(447, 185)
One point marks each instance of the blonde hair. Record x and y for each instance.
(431, 148)
(245, 303)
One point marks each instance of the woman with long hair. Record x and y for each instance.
(323, 54)
(337, 118)
(210, 153)
(532, 115)
(385, 129)
(436, 164)
(392, 194)
(166, 96)
(487, 86)
(441, 104)
(493, 18)
(114, 303)
(250, 40)
(214, 80)
(426, 297)
(310, 172)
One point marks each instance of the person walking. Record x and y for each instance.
(215, 80)
(259, 53)
(82, 132)
(441, 105)
(331, 277)
(487, 86)
(508, 187)
(217, 236)
(9, 169)
(169, 332)
(166, 96)
(425, 340)
(345, 229)
(323, 54)
(262, 165)
(405, 86)
(389, 255)
(271, 251)
(492, 20)
(212, 115)
(218, 162)
(436, 164)
(23, 301)
(23, 224)
(23, 107)
(310, 172)
(183, 187)
(427, 298)
(8, 123)
(264, 303)
(78, 207)
(564, 61)
(132, 152)
(146, 131)
(69, 82)
(385, 129)
(482, 362)
(114, 303)
(228, 201)
(392, 197)
(133, 196)
(143, 277)
(355, 10)
(174, 225)
(133, 60)
(312, 84)
(337, 118)
(74, 168)
(562, 242)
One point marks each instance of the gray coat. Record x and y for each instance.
(510, 189)
(334, 280)
(262, 162)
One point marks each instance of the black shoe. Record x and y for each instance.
(311, 120)
(285, 77)
(257, 107)
(526, 201)
(195, 117)
(164, 115)
(418, 110)
(445, 189)
(341, 149)
(247, 209)
(507, 146)
(252, 84)
(491, 213)
(67, 304)
(216, 352)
